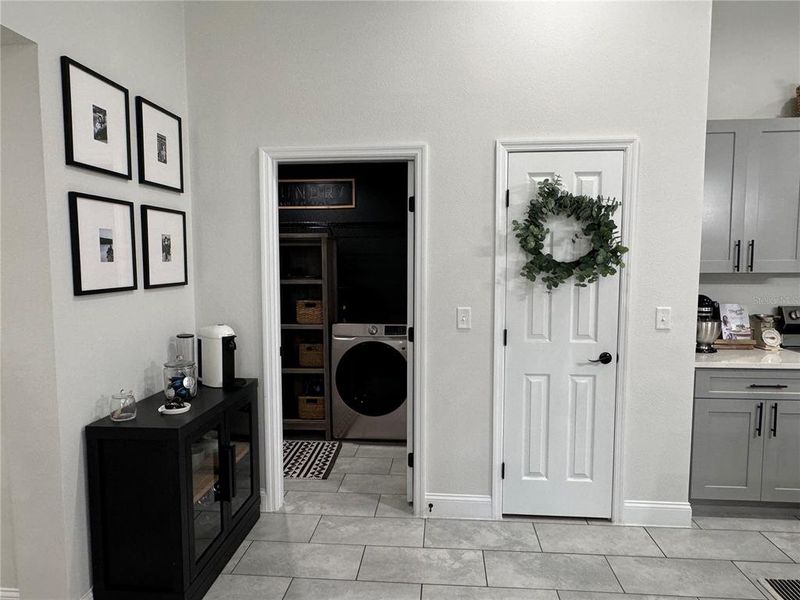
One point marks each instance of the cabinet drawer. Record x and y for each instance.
(747, 384)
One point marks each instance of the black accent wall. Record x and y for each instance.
(371, 239)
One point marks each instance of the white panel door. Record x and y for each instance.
(558, 423)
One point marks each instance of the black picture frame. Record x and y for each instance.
(70, 141)
(151, 271)
(316, 194)
(145, 152)
(81, 284)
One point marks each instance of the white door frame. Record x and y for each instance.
(269, 159)
(630, 149)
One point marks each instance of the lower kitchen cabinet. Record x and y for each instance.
(781, 473)
(172, 497)
(727, 449)
(746, 447)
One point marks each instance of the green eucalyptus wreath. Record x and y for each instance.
(595, 214)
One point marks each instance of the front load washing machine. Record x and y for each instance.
(369, 364)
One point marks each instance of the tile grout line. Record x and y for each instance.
(291, 580)
(660, 549)
(750, 581)
(538, 539)
(316, 525)
(791, 560)
(614, 573)
(249, 543)
(361, 561)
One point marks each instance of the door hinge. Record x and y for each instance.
(507, 201)
(411, 202)
(505, 337)
(410, 460)
(410, 334)
(502, 470)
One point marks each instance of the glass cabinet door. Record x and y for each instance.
(241, 436)
(206, 490)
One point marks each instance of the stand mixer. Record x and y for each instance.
(708, 324)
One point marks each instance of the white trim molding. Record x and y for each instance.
(9, 593)
(629, 146)
(269, 159)
(458, 506)
(656, 514)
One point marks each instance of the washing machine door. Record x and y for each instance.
(371, 378)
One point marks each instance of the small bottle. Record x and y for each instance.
(123, 406)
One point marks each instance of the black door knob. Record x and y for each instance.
(604, 358)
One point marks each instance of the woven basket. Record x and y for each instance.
(311, 407)
(309, 312)
(310, 355)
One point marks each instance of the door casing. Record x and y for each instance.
(630, 148)
(269, 159)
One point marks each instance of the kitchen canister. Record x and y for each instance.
(123, 406)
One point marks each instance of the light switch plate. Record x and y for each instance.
(663, 317)
(464, 317)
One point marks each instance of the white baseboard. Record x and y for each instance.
(457, 506)
(13, 594)
(657, 514)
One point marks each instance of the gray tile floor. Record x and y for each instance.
(353, 537)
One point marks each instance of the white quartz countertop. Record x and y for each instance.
(749, 359)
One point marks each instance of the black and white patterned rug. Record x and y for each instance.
(309, 459)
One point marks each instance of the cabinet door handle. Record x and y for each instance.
(751, 251)
(776, 386)
(738, 247)
(774, 429)
(760, 419)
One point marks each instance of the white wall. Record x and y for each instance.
(31, 446)
(755, 59)
(109, 341)
(459, 76)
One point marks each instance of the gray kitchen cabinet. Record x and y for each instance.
(751, 203)
(746, 446)
(727, 449)
(781, 474)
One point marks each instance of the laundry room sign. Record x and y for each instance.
(316, 193)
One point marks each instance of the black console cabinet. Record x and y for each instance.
(172, 497)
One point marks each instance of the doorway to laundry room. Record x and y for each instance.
(346, 295)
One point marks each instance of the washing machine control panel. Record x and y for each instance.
(373, 329)
(394, 330)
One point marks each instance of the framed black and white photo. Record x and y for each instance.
(103, 244)
(160, 146)
(164, 247)
(96, 120)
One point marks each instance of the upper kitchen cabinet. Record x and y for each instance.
(751, 205)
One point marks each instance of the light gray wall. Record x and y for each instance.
(109, 341)
(458, 76)
(755, 59)
(30, 435)
(754, 70)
